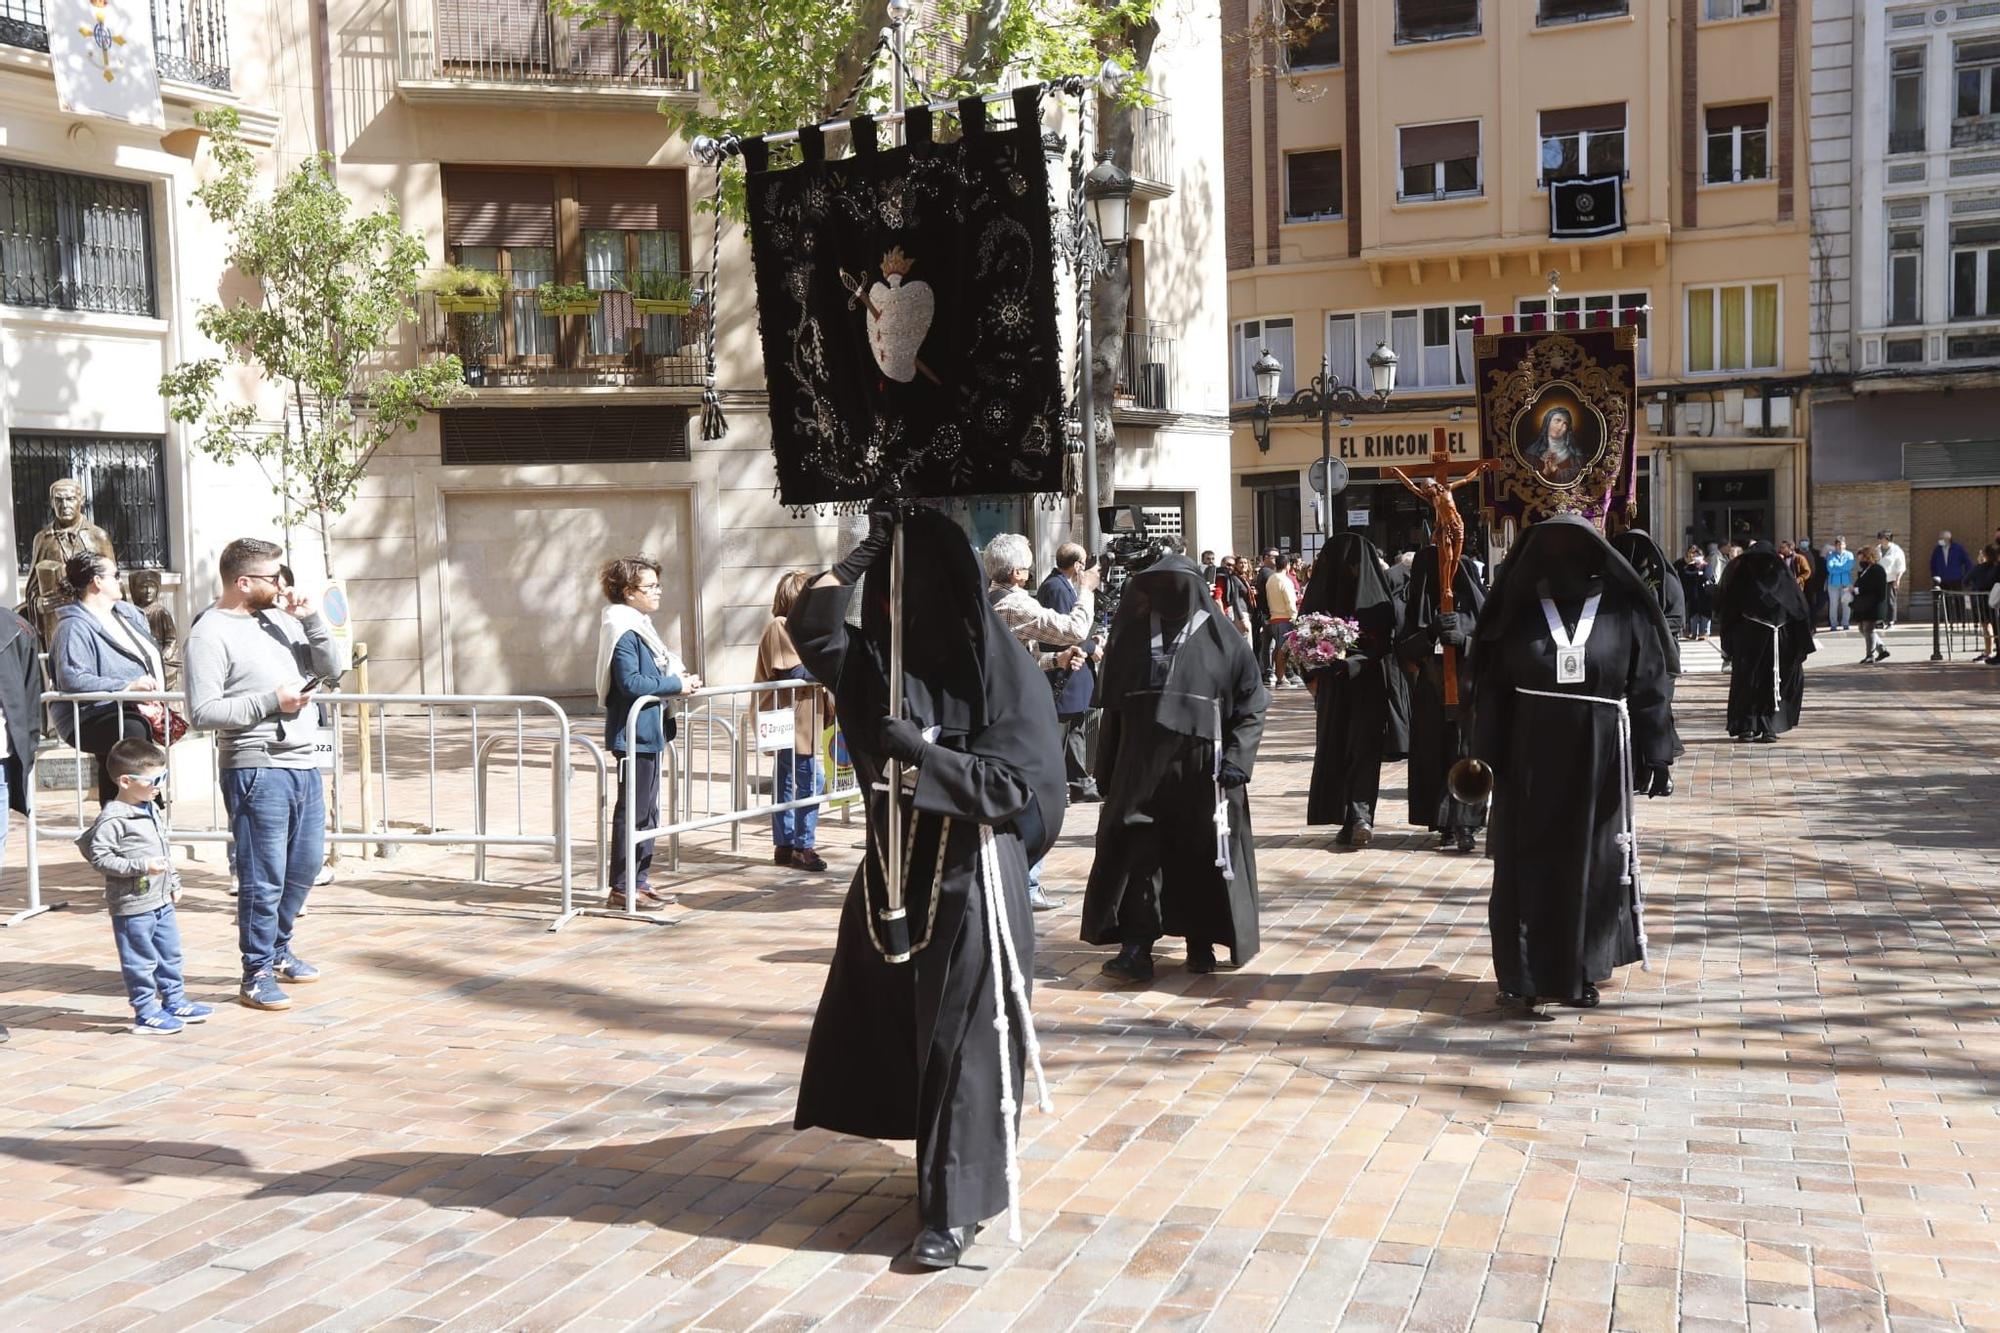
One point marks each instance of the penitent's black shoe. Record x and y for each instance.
(1346, 835)
(1362, 834)
(1588, 1000)
(1130, 965)
(941, 1247)
(1468, 841)
(1200, 958)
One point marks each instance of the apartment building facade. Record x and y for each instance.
(1387, 176)
(518, 141)
(1906, 169)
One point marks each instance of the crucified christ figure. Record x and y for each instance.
(1447, 525)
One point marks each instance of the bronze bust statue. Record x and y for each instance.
(68, 534)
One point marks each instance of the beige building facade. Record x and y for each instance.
(1385, 177)
(515, 140)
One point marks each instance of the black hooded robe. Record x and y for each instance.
(1438, 742)
(1652, 566)
(1351, 697)
(1396, 738)
(1559, 914)
(908, 1050)
(1767, 633)
(1155, 872)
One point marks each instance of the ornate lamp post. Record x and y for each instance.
(1319, 399)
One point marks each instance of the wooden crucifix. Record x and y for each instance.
(1435, 481)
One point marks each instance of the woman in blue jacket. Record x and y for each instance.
(633, 661)
(102, 643)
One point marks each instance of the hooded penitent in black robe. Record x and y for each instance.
(1173, 673)
(1566, 894)
(1438, 742)
(1396, 737)
(1352, 696)
(1767, 634)
(909, 1050)
(1652, 566)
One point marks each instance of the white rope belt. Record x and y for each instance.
(1000, 946)
(1777, 689)
(1628, 839)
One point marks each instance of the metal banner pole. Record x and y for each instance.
(895, 920)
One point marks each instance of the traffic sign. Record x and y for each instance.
(1319, 475)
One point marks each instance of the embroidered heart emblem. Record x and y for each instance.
(899, 318)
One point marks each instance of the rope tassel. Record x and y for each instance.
(1008, 981)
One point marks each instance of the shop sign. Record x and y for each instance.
(1395, 447)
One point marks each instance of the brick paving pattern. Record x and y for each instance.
(471, 1123)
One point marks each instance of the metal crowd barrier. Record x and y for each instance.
(379, 788)
(1959, 623)
(690, 778)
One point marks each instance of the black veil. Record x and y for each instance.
(1171, 588)
(1566, 544)
(1646, 556)
(1348, 581)
(1759, 585)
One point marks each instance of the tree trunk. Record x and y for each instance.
(1111, 293)
(857, 56)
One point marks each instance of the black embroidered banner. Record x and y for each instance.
(907, 304)
(1556, 411)
(1586, 206)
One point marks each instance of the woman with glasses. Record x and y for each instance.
(103, 644)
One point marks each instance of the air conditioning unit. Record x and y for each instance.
(1732, 405)
(1695, 416)
(1753, 413)
(1781, 412)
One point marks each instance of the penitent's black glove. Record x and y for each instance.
(1232, 776)
(881, 530)
(1653, 780)
(1449, 629)
(902, 740)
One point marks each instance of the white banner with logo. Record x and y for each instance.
(102, 51)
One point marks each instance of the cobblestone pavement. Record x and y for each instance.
(1789, 1122)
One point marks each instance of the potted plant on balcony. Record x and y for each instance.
(567, 298)
(467, 291)
(662, 294)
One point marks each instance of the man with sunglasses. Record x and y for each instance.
(249, 689)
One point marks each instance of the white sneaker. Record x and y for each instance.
(1041, 902)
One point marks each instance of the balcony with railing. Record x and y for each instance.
(461, 47)
(1906, 140)
(614, 339)
(1152, 164)
(190, 37)
(1145, 381)
(1975, 131)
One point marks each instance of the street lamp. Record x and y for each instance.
(1319, 399)
(1108, 190)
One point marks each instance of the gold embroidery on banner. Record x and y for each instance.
(1606, 392)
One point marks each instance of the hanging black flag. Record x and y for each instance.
(907, 302)
(1586, 206)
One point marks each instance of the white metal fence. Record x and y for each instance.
(444, 773)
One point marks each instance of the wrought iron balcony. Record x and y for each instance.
(1152, 164)
(190, 37)
(1907, 141)
(509, 342)
(1147, 377)
(477, 43)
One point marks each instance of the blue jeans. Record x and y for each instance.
(149, 958)
(1840, 603)
(796, 779)
(278, 818)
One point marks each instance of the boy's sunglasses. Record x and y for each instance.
(150, 779)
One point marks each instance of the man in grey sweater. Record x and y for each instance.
(244, 683)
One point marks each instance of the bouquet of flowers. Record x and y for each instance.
(1319, 640)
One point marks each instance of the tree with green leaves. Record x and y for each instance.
(332, 291)
(776, 64)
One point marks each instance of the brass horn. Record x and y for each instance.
(1470, 781)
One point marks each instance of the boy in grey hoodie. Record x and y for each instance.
(128, 845)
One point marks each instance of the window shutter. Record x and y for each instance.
(505, 208)
(1426, 145)
(1753, 116)
(632, 200)
(1576, 119)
